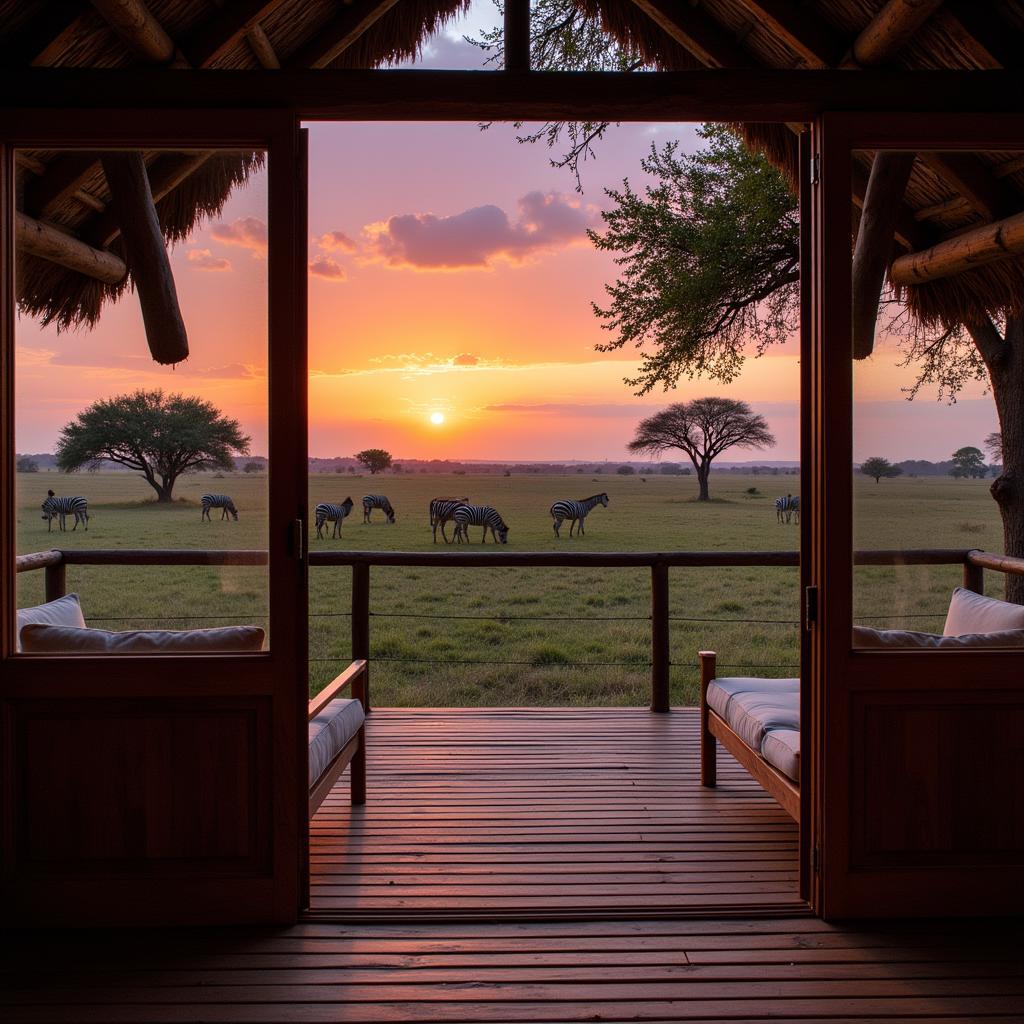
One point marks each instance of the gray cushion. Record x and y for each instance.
(65, 611)
(887, 639)
(752, 706)
(973, 613)
(330, 731)
(781, 749)
(44, 639)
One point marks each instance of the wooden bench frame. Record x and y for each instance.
(354, 752)
(714, 728)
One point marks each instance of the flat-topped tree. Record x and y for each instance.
(876, 467)
(374, 459)
(161, 436)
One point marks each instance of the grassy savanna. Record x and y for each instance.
(526, 631)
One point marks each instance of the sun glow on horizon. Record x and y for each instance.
(437, 418)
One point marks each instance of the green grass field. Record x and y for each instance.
(524, 632)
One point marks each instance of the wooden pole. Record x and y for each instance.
(974, 575)
(50, 243)
(883, 202)
(135, 24)
(708, 744)
(361, 623)
(132, 202)
(55, 581)
(517, 35)
(973, 248)
(889, 31)
(659, 638)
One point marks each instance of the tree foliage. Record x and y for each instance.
(969, 462)
(878, 467)
(161, 436)
(26, 465)
(374, 459)
(703, 429)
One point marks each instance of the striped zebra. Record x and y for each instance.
(372, 501)
(58, 508)
(786, 508)
(328, 513)
(442, 510)
(575, 512)
(221, 501)
(466, 516)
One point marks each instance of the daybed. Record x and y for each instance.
(758, 720)
(336, 724)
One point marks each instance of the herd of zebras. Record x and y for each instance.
(459, 511)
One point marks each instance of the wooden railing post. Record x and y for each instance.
(659, 638)
(974, 575)
(55, 580)
(361, 622)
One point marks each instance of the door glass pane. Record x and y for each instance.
(141, 396)
(935, 312)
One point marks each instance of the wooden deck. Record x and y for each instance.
(693, 970)
(550, 812)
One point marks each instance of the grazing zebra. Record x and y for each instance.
(575, 512)
(787, 507)
(442, 510)
(58, 508)
(372, 501)
(327, 513)
(466, 516)
(221, 501)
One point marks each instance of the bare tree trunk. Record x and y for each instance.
(703, 472)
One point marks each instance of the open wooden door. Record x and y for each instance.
(164, 788)
(916, 754)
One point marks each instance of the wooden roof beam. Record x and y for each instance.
(810, 37)
(133, 21)
(697, 33)
(908, 233)
(262, 48)
(339, 34)
(974, 248)
(889, 31)
(50, 243)
(44, 38)
(210, 41)
(890, 172)
(517, 35)
(973, 180)
(64, 176)
(979, 31)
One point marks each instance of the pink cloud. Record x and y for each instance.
(247, 232)
(203, 259)
(478, 236)
(465, 359)
(324, 266)
(336, 241)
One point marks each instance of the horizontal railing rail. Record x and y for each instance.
(974, 561)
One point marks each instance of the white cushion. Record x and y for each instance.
(752, 707)
(721, 691)
(40, 639)
(975, 613)
(330, 731)
(889, 639)
(781, 749)
(65, 611)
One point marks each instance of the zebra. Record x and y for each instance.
(787, 507)
(221, 501)
(466, 516)
(575, 512)
(58, 508)
(327, 513)
(442, 510)
(372, 501)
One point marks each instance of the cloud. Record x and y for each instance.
(466, 359)
(203, 259)
(448, 53)
(324, 266)
(336, 241)
(479, 236)
(247, 232)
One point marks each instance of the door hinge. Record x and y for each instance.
(815, 168)
(299, 538)
(815, 859)
(810, 607)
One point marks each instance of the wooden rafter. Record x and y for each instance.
(988, 195)
(517, 35)
(50, 243)
(133, 21)
(41, 40)
(805, 33)
(974, 248)
(980, 32)
(63, 177)
(262, 48)
(211, 40)
(338, 35)
(697, 33)
(889, 31)
(890, 172)
(908, 233)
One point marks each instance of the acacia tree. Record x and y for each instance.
(703, 429)
(374, 459)
(969, 462)
(161, 436)
(878, 467)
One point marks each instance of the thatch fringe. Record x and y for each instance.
(989, 292)
(778, 143)
(633, 30)
(399, 35)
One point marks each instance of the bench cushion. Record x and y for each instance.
(973, 613)
(330, 731)
(781, 749)
(753, 706)
(65, 611)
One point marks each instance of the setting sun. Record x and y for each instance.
(437, 418)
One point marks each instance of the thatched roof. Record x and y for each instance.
(940, 200)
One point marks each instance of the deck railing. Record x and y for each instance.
(54, 564)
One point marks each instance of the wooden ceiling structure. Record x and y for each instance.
(945, 229)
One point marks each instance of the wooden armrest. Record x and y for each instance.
(708, 668)
(354, 674)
